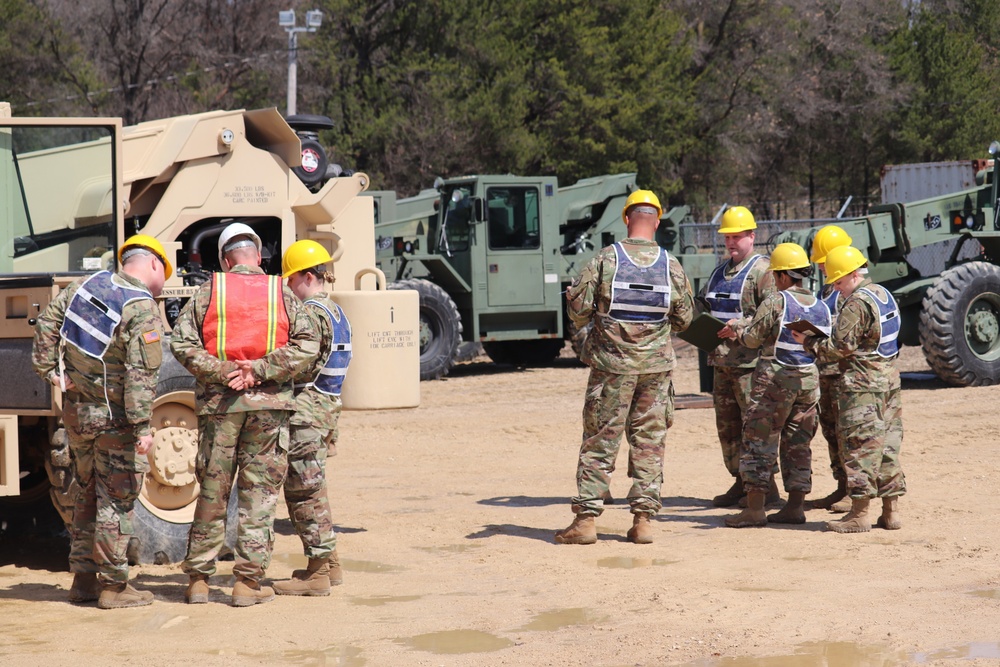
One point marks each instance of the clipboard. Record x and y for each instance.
(704, 332)
(806, 327)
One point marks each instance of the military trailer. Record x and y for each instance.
(74, 189)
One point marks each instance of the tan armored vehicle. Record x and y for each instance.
(71, 191)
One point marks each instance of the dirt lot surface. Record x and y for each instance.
(446, 515)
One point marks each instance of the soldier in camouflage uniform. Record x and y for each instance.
(243, 337)
(312, 429)
(107, 370)
(635, 295)
(827, 239)
(870, 425)
(736, 288)
(781, 415)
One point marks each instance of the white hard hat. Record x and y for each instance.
(233, 230)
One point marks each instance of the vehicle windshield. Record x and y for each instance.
(457, 201)
(57, 210)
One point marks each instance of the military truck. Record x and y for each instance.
(74, 189)
(950, 307)
(491, 257)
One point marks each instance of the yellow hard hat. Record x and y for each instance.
(641, 197)
(827, 239)
(842, 261)
(788, 256)
(150, 244)
(737, 219)
(302, 255)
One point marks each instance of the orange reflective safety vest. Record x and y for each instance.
(246, 316)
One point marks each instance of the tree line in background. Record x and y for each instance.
(786, 106)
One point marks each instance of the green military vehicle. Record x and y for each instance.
(949, 300)
(491, 257)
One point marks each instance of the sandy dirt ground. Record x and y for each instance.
(446, 515)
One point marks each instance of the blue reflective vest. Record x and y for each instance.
(640, 293)
(787, 351)
(95, 311)
(725, 297)
(831, 300)
(888, 322)
(330, 378)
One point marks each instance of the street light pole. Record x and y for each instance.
(293, 71)
(286, 20)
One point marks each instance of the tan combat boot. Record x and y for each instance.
(793, 511)
(829, 501)
(312, 581)
(890, 515)
(843, 505)
(120, 596)
(197, 590)
(855, 521)
(583, 530)
(336, 574)
(772, 499)
(85, 587)
(247, 593)
(753, 516)
(641, 531)
(732, 496)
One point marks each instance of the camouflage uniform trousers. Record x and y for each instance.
(781, 418)
(642, 408)
(730, 394)
(829, 410)
(106, 466)
(255, 443)
(305, 490)
(870, 431)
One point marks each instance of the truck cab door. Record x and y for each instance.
(514, 258)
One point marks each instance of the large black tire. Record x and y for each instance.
(440, 327)
(158, 541)
(539, 352)
(960, 325)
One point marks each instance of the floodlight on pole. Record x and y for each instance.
(286, 20)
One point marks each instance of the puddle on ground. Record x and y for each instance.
(457, 641)
(970, 651)
(628, 563)
(369, 566)
(332, 656)
(993, 593)
(452, 548)
(834, 654)
(379, 600)
(548, 621)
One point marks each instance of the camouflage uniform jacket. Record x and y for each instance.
(275, 371)
(627, 348)
(313, 407)
(826, 362)
(761, 332)
(853, 343)
(759, 284)
(130, 365)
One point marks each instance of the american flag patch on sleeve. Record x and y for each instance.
(151, 337)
